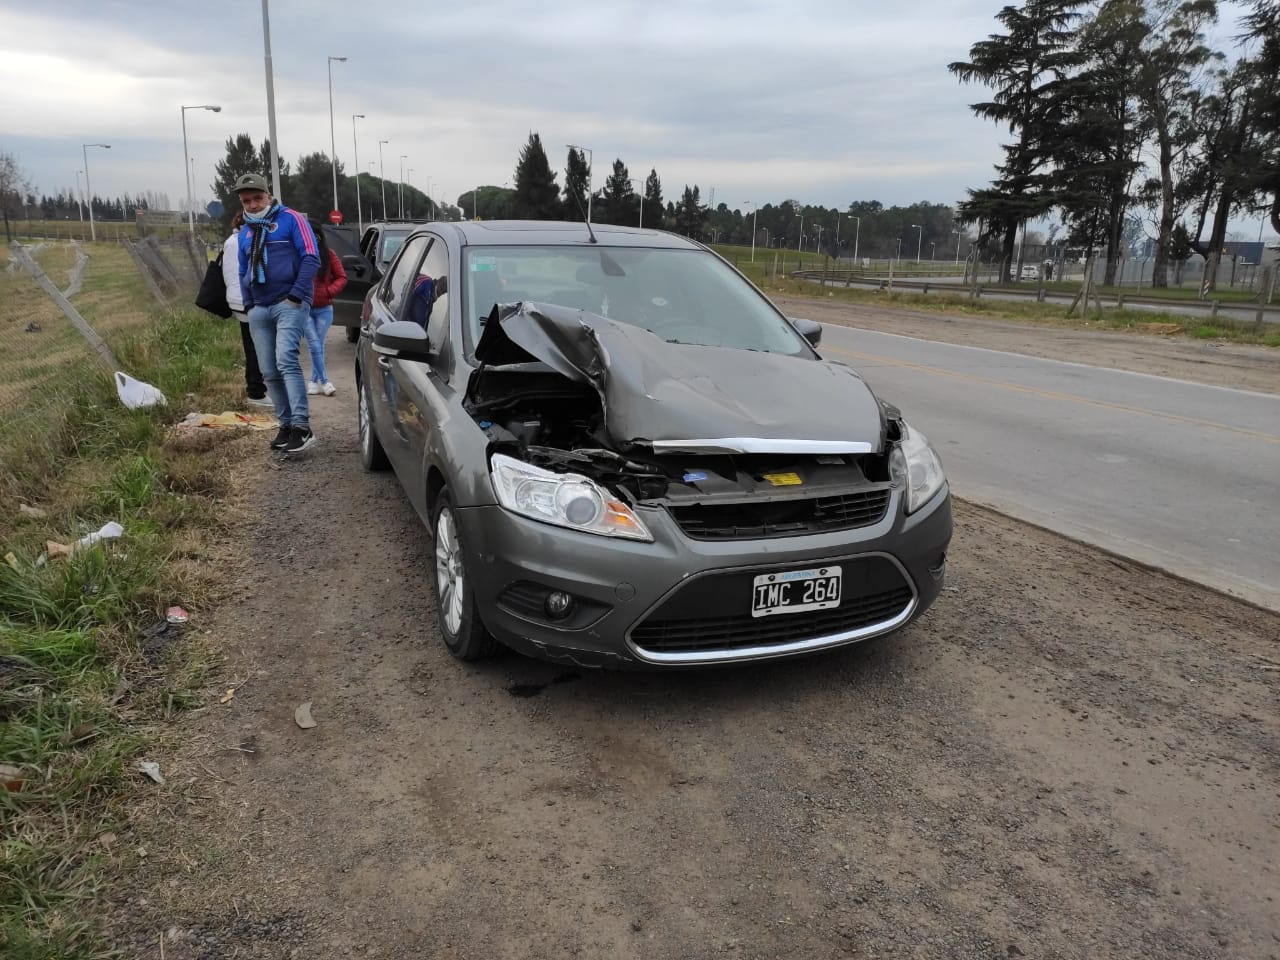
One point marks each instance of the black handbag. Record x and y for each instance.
(212, 295)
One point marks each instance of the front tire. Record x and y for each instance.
(353, 334)
(460, 626)
(372, 456)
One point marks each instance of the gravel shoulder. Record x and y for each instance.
(1067, 757)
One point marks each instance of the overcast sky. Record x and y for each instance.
(823, 102)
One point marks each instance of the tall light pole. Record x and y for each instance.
(957, 233)
(856, 234)
(79, 195)
(754, 211)
(355, 148)
(839, 217)
(590, 172)
(640, 184)
(919, 240)
(801, 216)
(400, 186)
(899, 249)
(272, 147)
(333, 148)
(88, 187)
(408, 182)
(382, 176)
(186, 160)
(818, 228)
(933, 250)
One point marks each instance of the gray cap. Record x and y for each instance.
(252, 181)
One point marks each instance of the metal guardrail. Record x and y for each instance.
(849, 277)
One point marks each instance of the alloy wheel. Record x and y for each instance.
(449, 578)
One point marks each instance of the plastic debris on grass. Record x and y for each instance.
(229, 418)
(302, 716)
(151, 769)
(137, 395)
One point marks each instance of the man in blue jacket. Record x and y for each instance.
(278, 262)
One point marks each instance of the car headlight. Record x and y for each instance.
(917, 462)
(565, 499)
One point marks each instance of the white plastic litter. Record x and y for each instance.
(109, 531)
(135, 394)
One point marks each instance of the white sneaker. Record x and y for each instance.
(313, 388)
(329, 389)
(260, 402)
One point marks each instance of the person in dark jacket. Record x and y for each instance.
(278, 263)
(330, 281)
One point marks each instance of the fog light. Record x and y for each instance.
(558, 604)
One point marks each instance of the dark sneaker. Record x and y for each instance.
(282, 438)
(301, 439)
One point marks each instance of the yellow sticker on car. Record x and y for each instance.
(784, 479)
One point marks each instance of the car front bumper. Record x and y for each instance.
(685, 602)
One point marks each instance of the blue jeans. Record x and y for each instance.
(318, 325)
(277, 335)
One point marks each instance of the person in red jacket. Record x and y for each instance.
(330, 279)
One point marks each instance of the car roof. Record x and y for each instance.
(555, 232)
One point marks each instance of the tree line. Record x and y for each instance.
(1121, 111)
(863, 228)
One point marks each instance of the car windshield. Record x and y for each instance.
(682, 296)
(391, 244)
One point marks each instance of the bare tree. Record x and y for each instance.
(14, 184)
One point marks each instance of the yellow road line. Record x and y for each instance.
(1052, 394)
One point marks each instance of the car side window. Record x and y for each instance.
(368, 243)
(399, 282)
(434, 273)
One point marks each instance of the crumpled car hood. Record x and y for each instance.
(682, 397)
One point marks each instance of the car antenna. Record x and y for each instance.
(590, 233)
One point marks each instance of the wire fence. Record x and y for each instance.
(61, 305)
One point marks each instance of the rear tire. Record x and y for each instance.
(372, 457)
(353, 334)
(463, 632)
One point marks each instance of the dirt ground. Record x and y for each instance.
(1066, 757)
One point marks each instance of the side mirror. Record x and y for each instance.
(811, 330)
(402, 340)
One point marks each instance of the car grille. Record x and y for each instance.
(713, 612)
(781, 518)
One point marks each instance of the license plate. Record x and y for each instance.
(795, 591)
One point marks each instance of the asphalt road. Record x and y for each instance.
(1178, 475)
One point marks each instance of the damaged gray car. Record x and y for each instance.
(627, 457)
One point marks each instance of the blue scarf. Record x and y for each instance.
(258, 226)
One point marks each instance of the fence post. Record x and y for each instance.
(95, 341)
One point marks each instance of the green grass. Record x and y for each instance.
(80, 696)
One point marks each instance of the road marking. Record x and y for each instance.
(1053, 394)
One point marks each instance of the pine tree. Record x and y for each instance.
(617, 198)
(537, 196)
(576, 180)
(241, 158)
(1025, 68)
(654, 214)
(690, 215)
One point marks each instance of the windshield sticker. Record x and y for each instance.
(693, 476)
(484, 264)
(784, 479)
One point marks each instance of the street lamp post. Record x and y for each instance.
(400, 185)
(899, 249)
(79, 195)
(355, 148)
(933, 245)
(333, 149)
(801, 216)
(919, 240)
(957, 233)
(408, 182)
(857, 233)
(640, 184)
(590, 173)
(818, 228)
(382, 177)
(88, 187)
(186, 161)
(754, 211)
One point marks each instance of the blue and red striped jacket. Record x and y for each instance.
(292, 260)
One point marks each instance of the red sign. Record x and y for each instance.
(335, 216)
